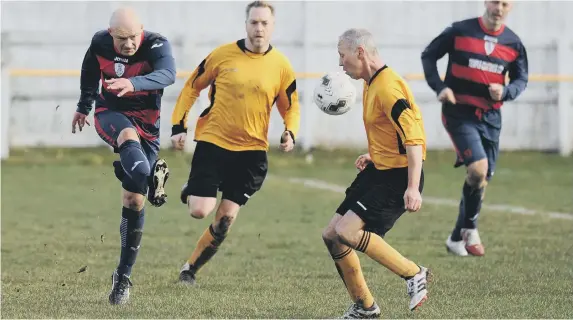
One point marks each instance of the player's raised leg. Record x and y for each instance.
(159, 171)
(157, 180)
(348, 266)
(158, 177)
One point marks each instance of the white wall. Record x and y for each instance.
(55, 35)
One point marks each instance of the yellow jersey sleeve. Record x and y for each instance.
(399, 110)
(200, 79)
(287, 100)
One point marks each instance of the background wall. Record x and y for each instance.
(55, 35)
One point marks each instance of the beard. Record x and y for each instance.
(257, 42)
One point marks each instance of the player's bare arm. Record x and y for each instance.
(399, 108)
(411, 132)
(412, 196)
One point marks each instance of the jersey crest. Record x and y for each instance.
(119, 69)
(489, 44)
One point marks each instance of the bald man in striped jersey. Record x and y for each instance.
(134, 66)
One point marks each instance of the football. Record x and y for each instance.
(335, 93)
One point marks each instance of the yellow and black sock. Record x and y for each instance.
(348, 266)
(206, 248)
(376, 248)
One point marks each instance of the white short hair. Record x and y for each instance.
(353, 38)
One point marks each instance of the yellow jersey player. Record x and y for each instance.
(390, 181)
(246, 78)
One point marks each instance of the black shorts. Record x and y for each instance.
(237, 174)
(377, 197)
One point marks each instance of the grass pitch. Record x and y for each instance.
(61, 211)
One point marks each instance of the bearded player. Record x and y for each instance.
(246, 78)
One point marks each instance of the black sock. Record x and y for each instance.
(131, 230)
(470, 206)
(134, 162)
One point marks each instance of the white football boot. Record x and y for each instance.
(456, 247)
(417, 288)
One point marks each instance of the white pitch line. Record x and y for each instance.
(323, 185)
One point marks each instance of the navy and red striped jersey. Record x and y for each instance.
(477, 58)
(150, 70)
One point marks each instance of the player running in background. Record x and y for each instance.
(481, 52)
(246, 78)
(134, 66)
(390, 181)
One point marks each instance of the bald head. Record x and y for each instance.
(125, 28)
(123, 17)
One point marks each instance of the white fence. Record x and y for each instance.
(37, 110)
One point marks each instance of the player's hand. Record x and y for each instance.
(447, 95)
(79, 120)
(287, 144)
(412, 199)
(496, 91)
(122, 84)
(362, 161)
(178, 141)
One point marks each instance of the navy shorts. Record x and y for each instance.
(109, 124)
(473, 140)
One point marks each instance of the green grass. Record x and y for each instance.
(61, 211)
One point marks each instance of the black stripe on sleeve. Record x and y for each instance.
(200, 71)
(212, 98)
(289, 91)
(397, 110)
(401, 148)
